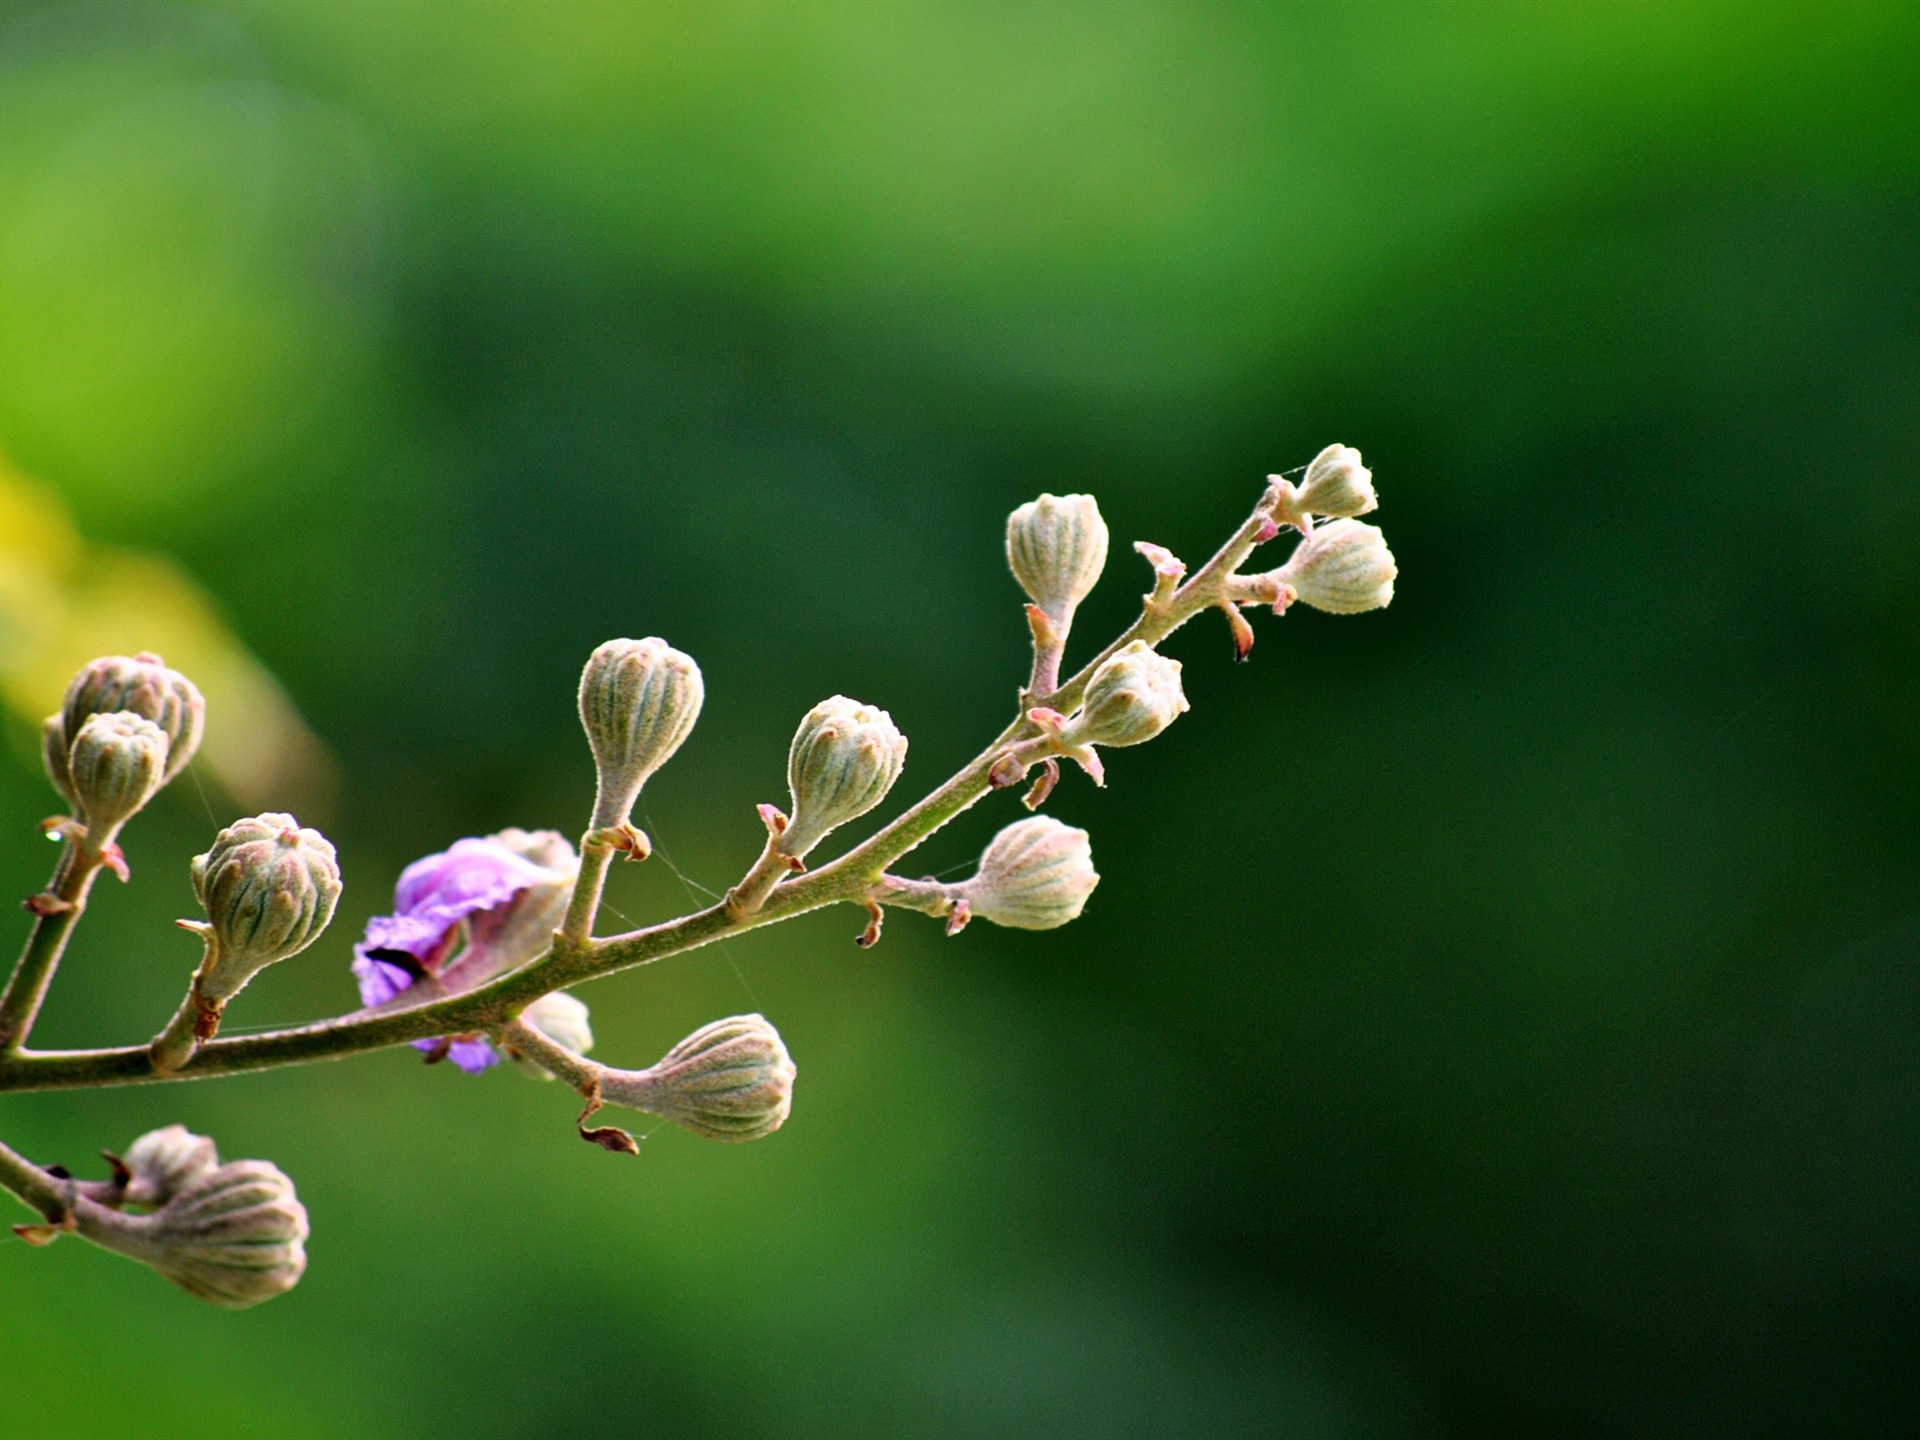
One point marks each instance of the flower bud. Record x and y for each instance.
(1336, 485)
(1343, 567)
(118, 762)
(731, 1080)
(235, 1234)
(161, 1162)
(1130, 699)
(638, 702)
(562, 1019)
(845, 757)
(142, 684)
(269, 888)
(1057, 547)
(1035, 875)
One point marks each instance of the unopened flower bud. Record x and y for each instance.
(844, 758)
(638, 702)
(1343, 567)
(141, 684)
(1336, 485)
(731, 1080)
(1130, 699)
(234, 1234)
(1057, 547)
(117, 763)
(162, 1162)
(1035, 875)
(269, 888)
(563, 1019)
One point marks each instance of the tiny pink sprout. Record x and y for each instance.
(1163, 560)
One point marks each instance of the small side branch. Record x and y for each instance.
(37, 1188)
(56, 910)
(575, 956)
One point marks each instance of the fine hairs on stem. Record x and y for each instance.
(486, 938)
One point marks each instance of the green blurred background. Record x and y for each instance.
(1500, 1016)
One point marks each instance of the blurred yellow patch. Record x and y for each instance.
(64, 601)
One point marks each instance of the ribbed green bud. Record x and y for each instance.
(1035, 875)
(140, 683)
(161, 1162)
(1337, 485)
(269, 888)
(234, 1234)
(731, 1080)
(1057, 547)
(638, 702)
(1130, 699)
(563, 1019)
(844, 758)
(1343, 567)
(117, 763)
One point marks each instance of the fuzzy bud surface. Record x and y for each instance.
(1337, 485)
(117, 763)
(1130, 699)
(1343, 567)
(844, 758)
(1035, 875)
(639, 700)
(141, 684)
(1056, 548)
(234, 1234)
(269, 888)
(731, 1080)
(162, 1162)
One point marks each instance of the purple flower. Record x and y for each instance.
(479, 878)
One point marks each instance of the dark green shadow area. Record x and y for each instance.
(1499, 1016)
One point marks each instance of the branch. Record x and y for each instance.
(37, 1188)
(57, 909)
(574, 956)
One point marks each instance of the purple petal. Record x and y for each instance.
(472, 1056)
(380, 980)
(434, 895)
(473, 874)
(418, 937)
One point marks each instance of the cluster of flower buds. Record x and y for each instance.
(521, 904)
(731, 1080)
(234, 1234)
(128, 726)
(1343, 567)
(639, 700)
